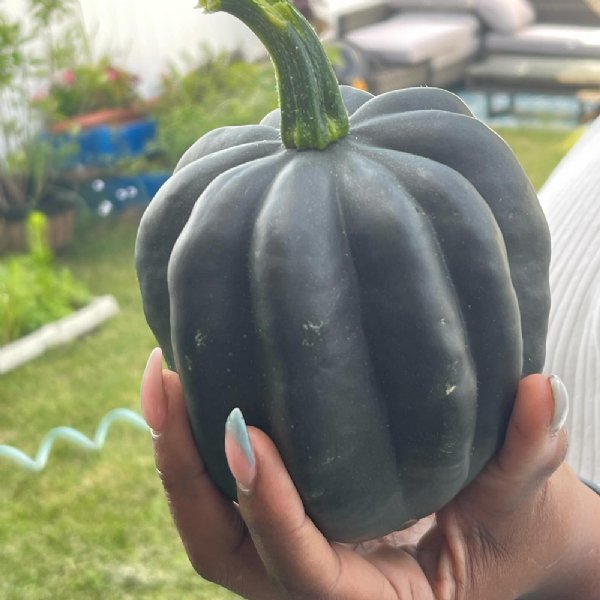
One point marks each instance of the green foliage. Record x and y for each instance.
(13, 63)
(44, 12)
(72, 82)
(86, 88)
(32, 179)
(28, 171)
(58, 25)
(33, 291)
(11, 56)
(223, 90)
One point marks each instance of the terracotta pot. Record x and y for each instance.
(108, 116)
(13, 234)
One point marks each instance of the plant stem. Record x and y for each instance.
(313, 114)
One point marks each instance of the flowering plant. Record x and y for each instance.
(30, 165)
(86, 88)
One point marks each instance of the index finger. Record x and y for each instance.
(299, 559)
(209, 525)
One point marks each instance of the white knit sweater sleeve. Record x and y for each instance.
(571, 201)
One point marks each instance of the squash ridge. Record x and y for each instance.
(226, 138)
(213, 333)
(163, 221)
(495, 348)
(487, 162)
(309, 310)
(411, 394)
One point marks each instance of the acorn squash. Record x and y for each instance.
(365, 277)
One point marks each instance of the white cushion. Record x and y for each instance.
(506, 16)
(451, 5)
(554, 40)
(412, 38)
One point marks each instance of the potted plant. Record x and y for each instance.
(29, 177)
(30, 180)
(97, 107)
(36, 290)
(89, 94)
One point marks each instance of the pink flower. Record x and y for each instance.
(69, 77)
(112, 74)
(39, 96)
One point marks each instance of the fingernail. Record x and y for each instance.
(561, 404)
(154, 399)
(238, 450)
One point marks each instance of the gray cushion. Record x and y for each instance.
(506, 16)
(548, 40)
(439, 5)
(463, 50)
(411, 38)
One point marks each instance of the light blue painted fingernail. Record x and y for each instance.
(236, 426)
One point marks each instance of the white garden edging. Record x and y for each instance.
(60, 332)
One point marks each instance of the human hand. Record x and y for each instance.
(506, 534)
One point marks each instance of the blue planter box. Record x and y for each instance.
(153, 181)
(106, 144)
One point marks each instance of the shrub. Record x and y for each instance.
(33, 290)
(223, 90)
(86, 88)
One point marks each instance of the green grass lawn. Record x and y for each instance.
(89, 525)
(540, 150)
(96, 525)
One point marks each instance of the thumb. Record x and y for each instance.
(534, 447)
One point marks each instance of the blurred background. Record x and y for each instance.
(98, 100)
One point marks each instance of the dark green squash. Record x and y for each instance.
(368, 291)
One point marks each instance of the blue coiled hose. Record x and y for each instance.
(122, 415)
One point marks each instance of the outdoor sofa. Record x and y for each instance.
(437, 42)
(404, 43)
(546, 46)
(565, 29)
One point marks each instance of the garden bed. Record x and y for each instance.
(13, 234)
(64, 330)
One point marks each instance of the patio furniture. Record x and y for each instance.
(514, 74)
(496, 45)
(559, 28)
(573, 12)
(546, 39)
(558, 56)
(411, 46)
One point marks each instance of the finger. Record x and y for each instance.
(209, 525)
(298, 558)
(153, 405)
(535, 443)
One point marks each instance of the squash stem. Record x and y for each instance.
(313, 114)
